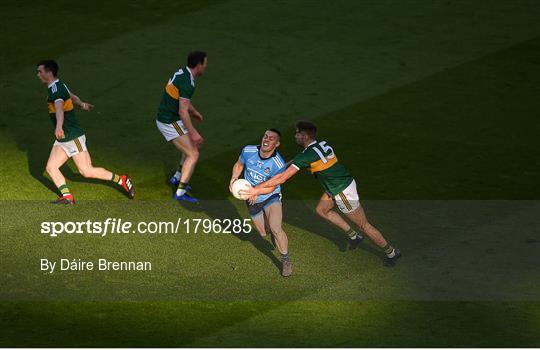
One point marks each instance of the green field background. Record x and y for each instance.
(432, 105)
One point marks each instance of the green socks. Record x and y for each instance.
(64, 190)
(181, 190)
(389, 250)
(352, 233)
(115, 179)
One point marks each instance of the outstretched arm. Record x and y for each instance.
(265, 190)
(280, 178)
(264, 187)
(84, 105)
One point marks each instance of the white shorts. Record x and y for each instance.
(74, 146)
(173, 130)
(348, 201)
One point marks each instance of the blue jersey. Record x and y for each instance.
(257, 169)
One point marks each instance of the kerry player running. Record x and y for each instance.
(339, 186)
(259, 163)
(174, 121)
(70, 138)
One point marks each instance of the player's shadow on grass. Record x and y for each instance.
(221, 209)
(224, 209)
(37, 149)
(37, 160)
(37, 155)
(297, 213)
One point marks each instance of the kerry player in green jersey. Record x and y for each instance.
(174, 121)
(339, 185)
(70, 138)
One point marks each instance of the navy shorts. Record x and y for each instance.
(257, 208)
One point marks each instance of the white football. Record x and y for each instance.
(238, 185)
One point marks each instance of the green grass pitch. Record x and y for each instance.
(432, 105)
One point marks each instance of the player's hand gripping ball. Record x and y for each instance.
(238, 185)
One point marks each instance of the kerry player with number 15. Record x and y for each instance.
(339, 186)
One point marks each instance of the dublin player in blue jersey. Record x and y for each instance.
(259, 163)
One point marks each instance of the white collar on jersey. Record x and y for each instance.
(191, 76)
(314, 142)
(54, 82)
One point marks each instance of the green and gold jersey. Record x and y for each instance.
(320, 159)
(181, 85)
(59, 91)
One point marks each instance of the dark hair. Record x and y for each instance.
(49, 65)
(195, 57)
(276, 131)
(307, 127)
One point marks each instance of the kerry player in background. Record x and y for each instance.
(339, 186)
(260, 163)
(70, 138)
(174, 121)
